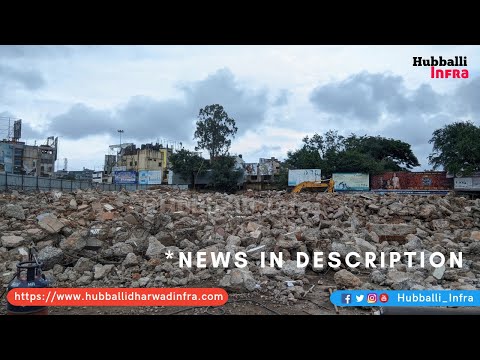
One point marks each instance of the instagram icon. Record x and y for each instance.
(371, 298)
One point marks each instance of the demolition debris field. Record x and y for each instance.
(119, 239)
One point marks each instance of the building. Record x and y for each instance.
(262, 172)
(18, 158)
(150, 157)
(102, 177)
(80, 175)
(110, 163)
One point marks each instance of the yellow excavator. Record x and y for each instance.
(327, 184)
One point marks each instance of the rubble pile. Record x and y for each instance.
(120, 239)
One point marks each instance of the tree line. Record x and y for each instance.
(456, 148)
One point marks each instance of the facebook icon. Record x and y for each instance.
(346, 298)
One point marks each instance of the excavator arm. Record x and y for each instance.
(329, 186)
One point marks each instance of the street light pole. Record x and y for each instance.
(120, 132)
(120, 151)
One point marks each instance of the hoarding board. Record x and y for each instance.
(351, 182)
(296, 177)
(17, 129)
(467, 183)
(125, 177)
(404, 180)
(265, 168)
(150, 177)
(119, 168)
(251, 169)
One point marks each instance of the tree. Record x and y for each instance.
(224, 176)
(214, 129)
(332, 152)
(303, 158)
(456, 148)
(281, 180)
(393, 155)
(188, 164)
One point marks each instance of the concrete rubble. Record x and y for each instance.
(120, 239)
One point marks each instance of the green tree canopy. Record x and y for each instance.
(332, 152)
(224, 176)
(456, 148)
(188, 164)
(214, 129)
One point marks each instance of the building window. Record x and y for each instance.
(131, 163)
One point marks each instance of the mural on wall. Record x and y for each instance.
(125, 177)
(404, 180)
(266, 168)
(351, 182)
(251, 169)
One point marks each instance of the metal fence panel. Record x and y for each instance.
(24, 182)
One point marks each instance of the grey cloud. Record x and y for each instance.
(248, 108)
(358, 96)
(28, 132)
(31, 51)
(7, 114)
(146, 119)
(366, 97)
(426, 100)
(282, 98)
(263, 152)
(30, 79)
(466, 98)
(81, 121)
(415, 129)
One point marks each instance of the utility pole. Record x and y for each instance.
(120, 151)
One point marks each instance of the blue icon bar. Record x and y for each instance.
(406, 298)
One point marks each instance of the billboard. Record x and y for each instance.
(125, 177)
(17, 129)
(404, 180)
(251, 169)
(351, 182)
(467, 183)
(296, 177)
(266, 168)
(119, 168)
(150, 177)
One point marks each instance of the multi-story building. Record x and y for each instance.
(262, 172)
(102, 177)
(18, 158)
(148, 157)
(110, 163)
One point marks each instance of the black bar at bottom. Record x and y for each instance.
(410, 310)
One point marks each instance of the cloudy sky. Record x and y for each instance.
(276, 94)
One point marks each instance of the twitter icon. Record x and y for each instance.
(359, 298)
